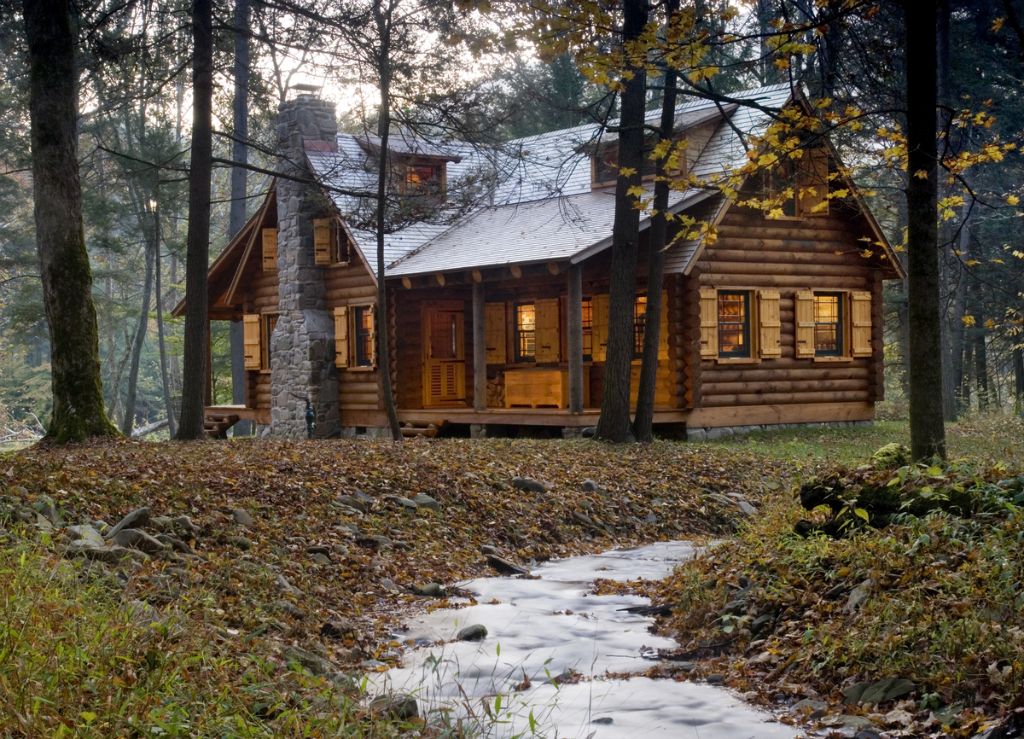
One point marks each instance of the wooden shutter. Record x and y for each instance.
(251, 340)
(548, 340)
(804, 304)
(812, 184)
(322, 240)
(341, 336)
(860, 323)
(372, 309)
(269, 249)
(771, 326)
(708, 323)
(494, 332)
(663, 329)
(600, 330)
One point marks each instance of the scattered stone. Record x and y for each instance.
(138, 539)
(834, 592)
(352, 502)
(490, 549)
(286, 606)
(86, 533)
(603, 721)
(390, 585)
(397, 706)
(858, 596)
(240, 542)
(872, 693)
(45, 506)
(855, 723)
(374, 542)
(319, 549)
(430, 590)
(110, 555)
(809, 708)
(175, 543)
(320, 559)
(476, 632)
(746, 508)
(287, 587)
(183, 527)
(714, 679)
(589, 486)
(243, 518)
(529, 485)
(584, 519)
(337, 628)
(426, 501)
(504, 567)
(43, 523)
(137, 519)
(316, 664)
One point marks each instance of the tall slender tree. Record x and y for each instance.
(78, 411)
(190, 425)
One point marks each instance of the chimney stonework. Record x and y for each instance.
(302, 344)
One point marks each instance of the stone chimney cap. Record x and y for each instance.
(304, 88)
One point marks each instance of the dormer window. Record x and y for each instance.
(606, 163)
(423, 180)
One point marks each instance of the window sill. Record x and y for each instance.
(358, 369)
(833, 359)
(738, 360)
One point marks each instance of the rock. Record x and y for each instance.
(426, 501)
(490, 549)
(337, 628)
(404, 502)
(855, 724)
(320, 559)
(746, 508)
(589, 486)
(43, 523)
(243, 518)
(603, 721)
(878, 692)
(316, 664)
(46, 507)
(137, 519)
(110, 555)
(650, 518)
(287, 587)
(504, 567)
(319, 549)
(175, 543)
(240, 542)
(85, 532)
(431, 590)
(183, 527)
(762, 622)
(286, 606)
(397, 706)
(811, 709)
(583, 519)
(352, 502)
(858, 596)
(476, 632)
(374, 542)
(890, 457)
(138, 539)
(529, 485)
(715, 679)
(834, 592)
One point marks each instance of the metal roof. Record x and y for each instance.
(538, 204)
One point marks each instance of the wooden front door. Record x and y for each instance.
(444, 354)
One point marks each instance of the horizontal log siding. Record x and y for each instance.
(259, 291)
(358, 388)
(814, 253)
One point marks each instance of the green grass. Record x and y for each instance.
(989, 438)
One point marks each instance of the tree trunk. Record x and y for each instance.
(927, 430)
(161, 339)
(956, 320)
(140, 332)
(1018, 380)
(613, 424)
(643, 421)
(382, 12)
(196, 262)
(981, 365)
(78, 411)
(240, 157)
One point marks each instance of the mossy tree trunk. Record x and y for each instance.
(613, 424)
(190, 425)
(78, 411)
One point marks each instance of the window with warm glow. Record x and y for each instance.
(526, 332)
(828, 324)
(363, 325)
(639, 322)
(588, 329)
(423, 179)
(733, 323)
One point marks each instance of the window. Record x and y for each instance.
(267, 323)
(588, 329)
(828, 324)
(526, 332)
(734, 323)
(605, 170)
(802, 185)
(639, 321)
(362, 334)
(330, 242)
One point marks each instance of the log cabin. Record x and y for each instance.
(497, 269)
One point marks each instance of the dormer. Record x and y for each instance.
(424, 178)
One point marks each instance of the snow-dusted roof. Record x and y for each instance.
(539, 205)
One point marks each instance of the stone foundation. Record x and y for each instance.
(722, 432)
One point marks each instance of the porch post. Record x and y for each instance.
(479, 350)
(574, 323)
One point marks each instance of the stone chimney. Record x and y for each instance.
(302, 345)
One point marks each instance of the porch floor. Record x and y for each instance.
(521, 416)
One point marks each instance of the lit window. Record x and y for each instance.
(733, 323)
(526, 332)
(364, 345)
(828, 324)
(424, 179)
(639, 322)
(588, 329)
